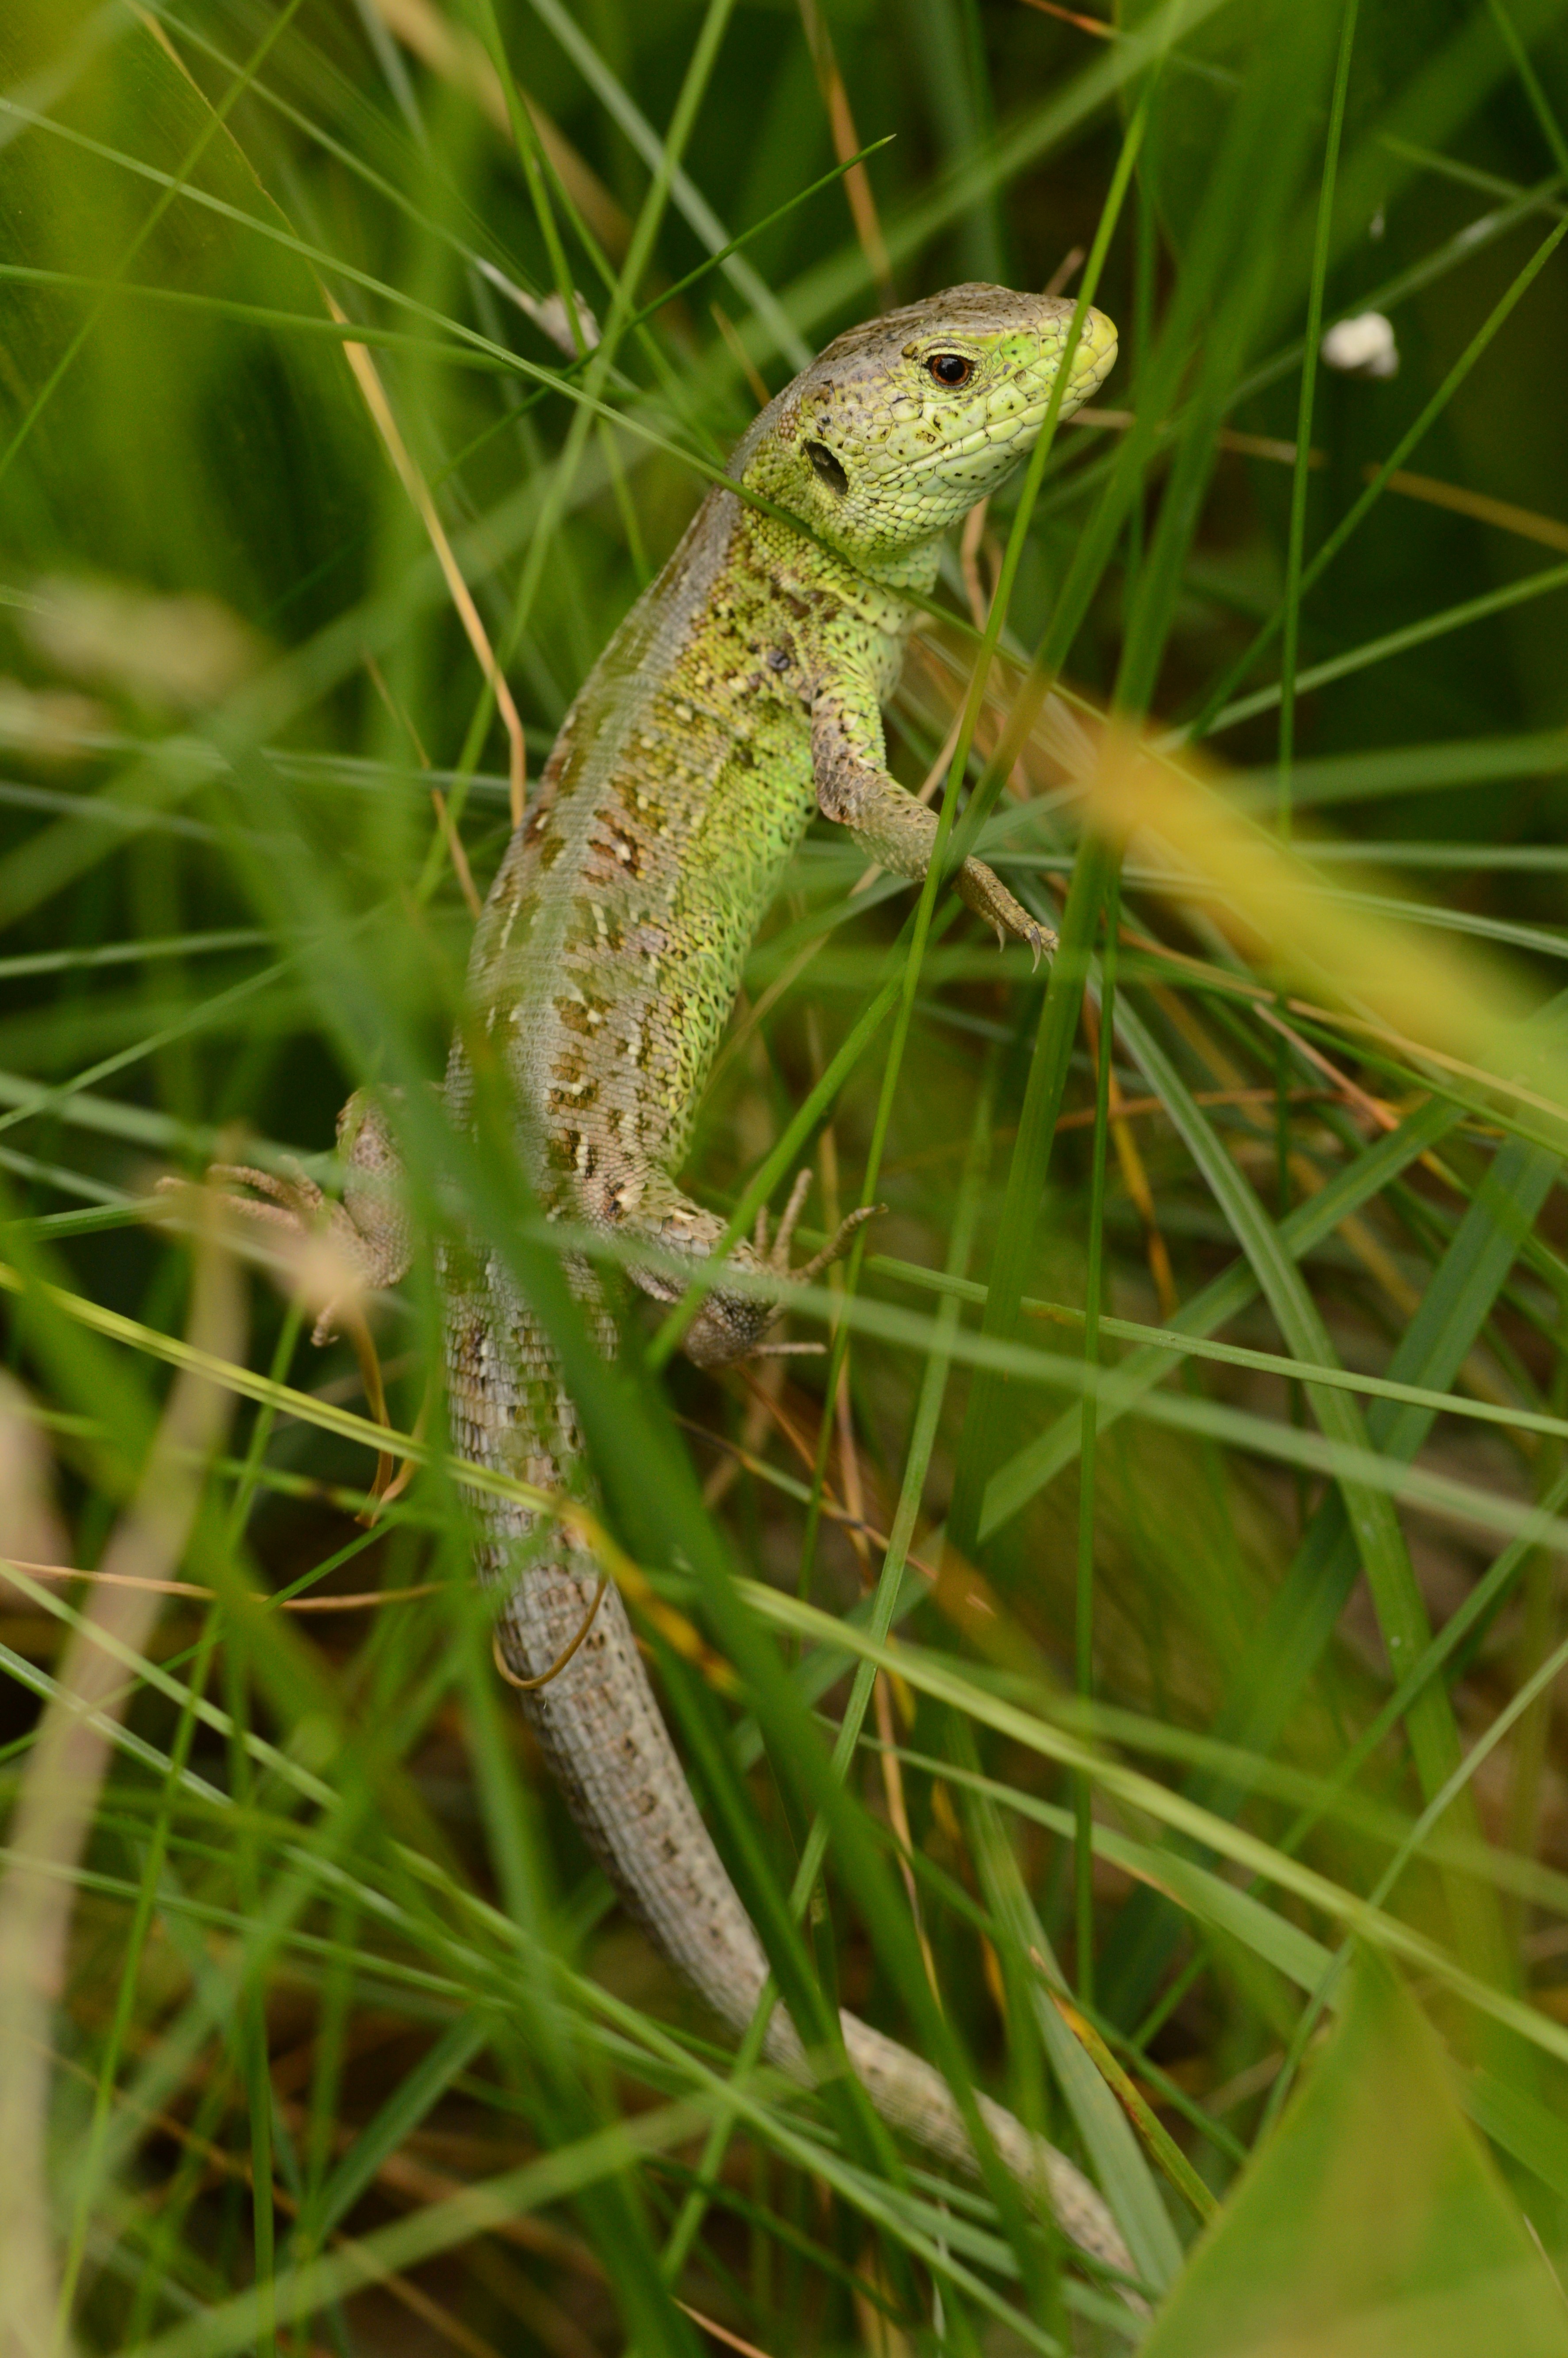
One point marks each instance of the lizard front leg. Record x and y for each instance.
(848, 756)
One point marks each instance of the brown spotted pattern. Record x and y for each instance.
(743, 692)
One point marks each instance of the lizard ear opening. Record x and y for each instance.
(827, 467)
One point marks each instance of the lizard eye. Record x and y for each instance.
(950, 369)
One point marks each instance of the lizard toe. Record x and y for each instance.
(837, 1244)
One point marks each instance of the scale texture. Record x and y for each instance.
(741, 694)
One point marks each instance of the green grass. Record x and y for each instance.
(1224, 1340)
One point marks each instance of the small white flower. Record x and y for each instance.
(1362, 346)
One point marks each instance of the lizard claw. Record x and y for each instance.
(983, 889)
(1042, 943)
(293, 1187)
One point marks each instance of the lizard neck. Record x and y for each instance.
(915, 569)
(767, 461)
(770, 552)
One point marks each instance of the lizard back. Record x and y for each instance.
(611, 948)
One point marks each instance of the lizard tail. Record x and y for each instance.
(914, 2099)
(606, 1742)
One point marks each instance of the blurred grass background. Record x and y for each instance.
(321, 2032)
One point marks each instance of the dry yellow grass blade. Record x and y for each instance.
(374, 396)
(1503, 513)
(1071, 17)
(362, 1600)
(1448, 1002)
(846, 141)
(1527, 522)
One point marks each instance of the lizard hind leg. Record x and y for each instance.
(730, 1325)
(330, 1256)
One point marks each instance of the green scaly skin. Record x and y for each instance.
(741, 694)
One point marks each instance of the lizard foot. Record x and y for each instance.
(319, 1256)
(313, 1244)
(777, 1260)
(322, 1256)
(983, 890)
(838, 1245)
(332, 1254)
(730, 1327)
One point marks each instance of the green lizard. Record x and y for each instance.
(741, 694)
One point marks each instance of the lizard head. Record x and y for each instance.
(898, 429)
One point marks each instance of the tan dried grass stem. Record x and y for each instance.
(58, 1797)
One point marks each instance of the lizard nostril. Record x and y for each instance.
(827, 467)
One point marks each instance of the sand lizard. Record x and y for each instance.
(741, 694)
